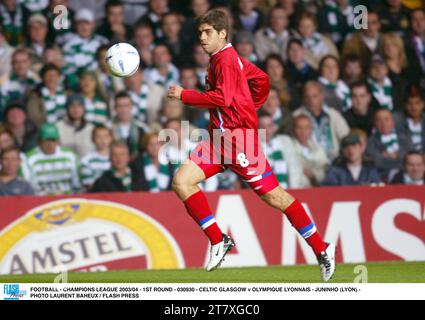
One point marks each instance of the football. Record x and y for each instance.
(122, 59)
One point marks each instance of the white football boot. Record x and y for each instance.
(327, 262)
(219, 251)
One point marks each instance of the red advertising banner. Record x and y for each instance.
(153, 231)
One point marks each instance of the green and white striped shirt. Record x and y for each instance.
(53, 174)
(16, 89)
(96, 111)
(80, 53)
(93, 165)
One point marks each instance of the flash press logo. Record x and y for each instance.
(13, 292)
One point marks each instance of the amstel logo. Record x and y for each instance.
(80, 233)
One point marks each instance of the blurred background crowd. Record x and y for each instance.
(346, 105)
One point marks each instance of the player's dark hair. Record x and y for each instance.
(216, 19)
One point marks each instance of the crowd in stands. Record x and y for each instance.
(346, 103)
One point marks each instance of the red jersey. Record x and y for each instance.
(235, 89)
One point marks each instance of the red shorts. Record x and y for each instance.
(238, 150)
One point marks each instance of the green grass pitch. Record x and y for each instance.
(388, 272)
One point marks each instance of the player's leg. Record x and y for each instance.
(280, 199)
(257, 173)
(185, 184)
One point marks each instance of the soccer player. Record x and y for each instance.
(232, 103)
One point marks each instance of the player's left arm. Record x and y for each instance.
(226, 75)
(258, 83)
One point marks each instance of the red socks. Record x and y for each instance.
(197, 206)
(302, 222)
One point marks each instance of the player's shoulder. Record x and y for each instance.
(228, 57)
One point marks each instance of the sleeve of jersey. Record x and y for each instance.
(258, 83)
(221, 96)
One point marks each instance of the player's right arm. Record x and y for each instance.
(258, 83)
(227, 77)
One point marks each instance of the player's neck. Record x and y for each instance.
(220, 47)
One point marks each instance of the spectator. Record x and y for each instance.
(197, 8)
(144, 42)
(113, 27)
(74, 132)
(153, 17)
(37, 40)
(364, 43)
(411, 122)
(280, 114)
(361, 114)
(171, 28)
(245, 46)
(329, 127)
(386, 146)
(202, 61)
(60, 36)
(415, 48)
(280, 153)
(47, 102)
(337, 93)
(146, 97)
(78, 60)
(199, 117)
(163, 72)
(21, 81)
(413, 172)
(10, 183)
(381, 86)
(310, 155)
(124, 127)
(54, 55)
(393, 52)
(171, 109)
(97, 111)
(247, 16)
(394, 16)
(6, 139)
(108, 84)
(6, 51)
(179, 147)
(121, 177)
(13, 16)
(298, 71)
(52, 169)
(155, 172)
(24, 131)
(96, 162)
(316, 45)
(336, 20)
(352, 69)
(275, 37)
(134, 9)
(351, 169)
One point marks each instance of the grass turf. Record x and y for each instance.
(387, 272)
